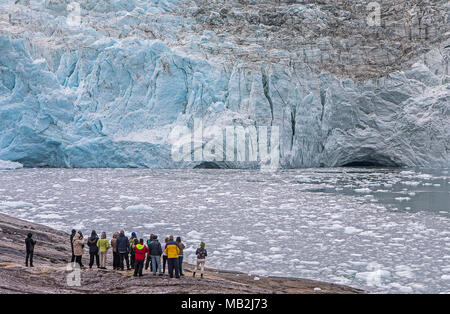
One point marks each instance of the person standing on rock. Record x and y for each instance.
(155, 252)
(133, 239)
(71, 244)
(180, 255)
(78, 244)
(201, 258)
(103, 247)
(116, 263)
(139, 253)
(123, 247)
(29, 244)
(172, 250)
(93, 249)
(148, 261)
(163, 247)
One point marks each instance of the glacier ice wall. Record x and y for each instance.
(108, 92)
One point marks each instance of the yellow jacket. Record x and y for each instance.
(172, 250)
(103, 245)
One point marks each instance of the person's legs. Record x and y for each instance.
(31, 258)
(153, 264)
(127, 259)
(97, 260)
(121, 258)
(201, 263)
(180, 265)
(26, 259)
(91, 260)
(147, 262)
(78, 260)
(116, 254)
(136, 270)
(196, 267)
(132, 260)
(158, 264)
(102, 259)
(177, 267)
(140, 266)
(170, 265)
(73, 258)
(164, 263)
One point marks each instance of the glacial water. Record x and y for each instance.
(382, 230)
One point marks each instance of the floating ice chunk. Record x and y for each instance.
(412, 183)
(139, 207)
(238, 238)
(317, 289)
(157, 224)
(352, 230)
(129, 198)
(78, 180)
(363, 190)
(9, 165)
(404, 271)
(373, 278)
(424, 176)
(401, 199)
(49, 216)
(195, 234)
(17, 204)
(445, 277)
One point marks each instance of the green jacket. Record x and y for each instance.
(103, 245)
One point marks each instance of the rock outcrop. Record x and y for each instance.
(52, 254)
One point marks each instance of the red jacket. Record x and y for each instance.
(139, 251)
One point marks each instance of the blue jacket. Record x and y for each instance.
(123, 245)
(155, 248)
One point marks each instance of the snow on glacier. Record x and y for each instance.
(101, 94)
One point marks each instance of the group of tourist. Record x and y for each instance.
(132, 252)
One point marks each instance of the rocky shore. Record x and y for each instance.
(52, 254)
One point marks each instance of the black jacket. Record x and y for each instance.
(71, 241)
(29, 243)
(92, 243)
(123, 245)
(155, 248)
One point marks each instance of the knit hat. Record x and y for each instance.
(202, 244)
(133, 234)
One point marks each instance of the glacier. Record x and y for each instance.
(108, 90)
